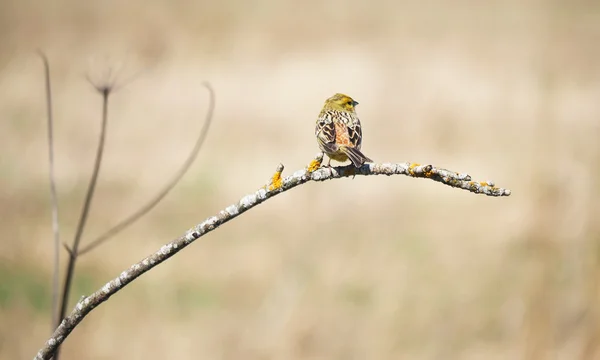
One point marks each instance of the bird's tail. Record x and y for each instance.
(355, 156)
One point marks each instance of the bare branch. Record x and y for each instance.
(277, 185)
(53, 196)
(182, 171)
(68, 249)
(105, 90)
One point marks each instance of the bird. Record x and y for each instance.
(339, 132)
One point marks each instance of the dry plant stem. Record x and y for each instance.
(105, 91)
(144, 209)
(277, 185)
(53, 197)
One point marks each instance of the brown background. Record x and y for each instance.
(370, 268)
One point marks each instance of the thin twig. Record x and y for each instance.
(182, 171)
(277, 185)
(53, 196)
(105, 91)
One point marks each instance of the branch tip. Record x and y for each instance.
(315, 163)
(104, 87)
(276, 181)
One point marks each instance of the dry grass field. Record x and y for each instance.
(370, 268)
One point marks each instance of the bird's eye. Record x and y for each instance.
(349, 102)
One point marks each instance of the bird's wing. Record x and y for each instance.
(355, 134)
(325, 131)
(354, 131)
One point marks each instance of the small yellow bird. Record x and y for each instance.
(339, 132)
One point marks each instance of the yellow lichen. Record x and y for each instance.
(314, 165)
(276, 181)
(411, 167)
(483, 183)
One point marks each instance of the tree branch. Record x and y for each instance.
(53, 196)
(105, 90)
(277, 185)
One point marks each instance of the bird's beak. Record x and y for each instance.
(355, 103)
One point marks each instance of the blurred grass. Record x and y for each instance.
(26, 287)
(373, 268)
(29, 287)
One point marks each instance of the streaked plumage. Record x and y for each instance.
(339, 132)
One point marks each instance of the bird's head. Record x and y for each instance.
(341, 102)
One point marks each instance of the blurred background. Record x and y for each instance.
(369, 268)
